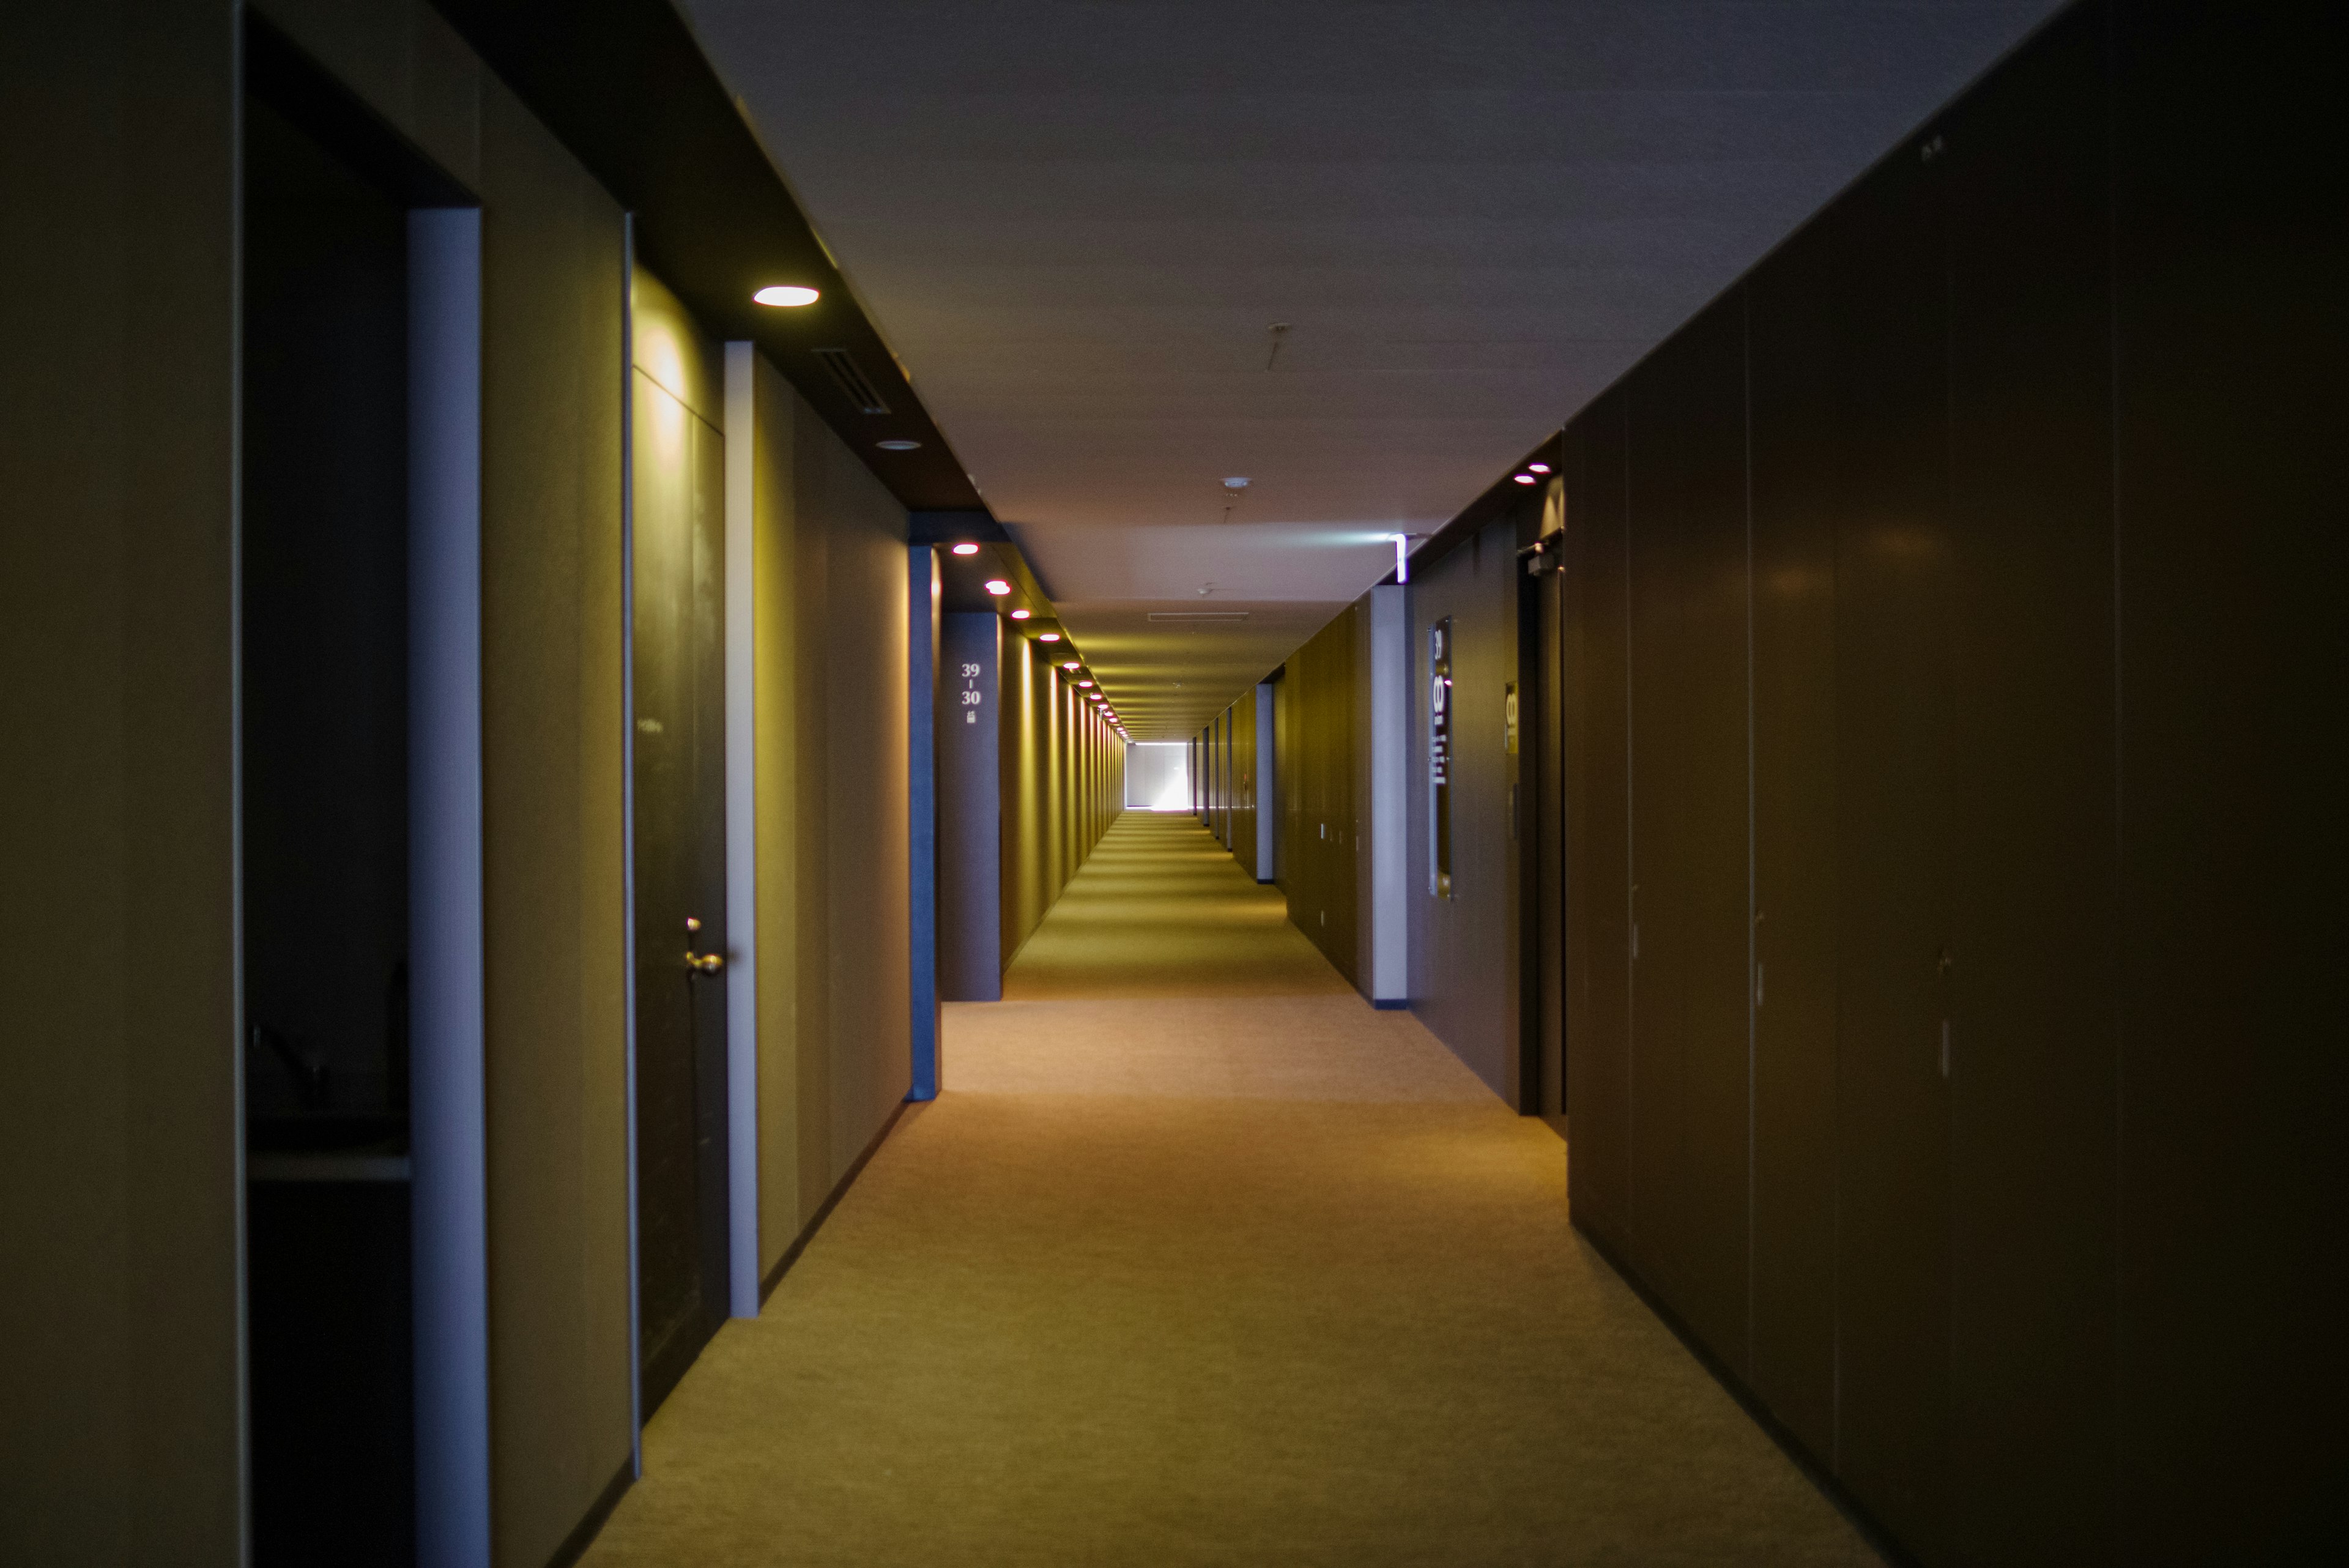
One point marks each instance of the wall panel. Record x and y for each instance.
(1892, 763)
(2232, 328)
(1244, 767)
(2031, 851)
(1794, 301)
(1689, 904)
(1596, 724)
(1464, 963)
(1321, 832)
(117, 579)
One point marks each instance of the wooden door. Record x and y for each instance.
(678, 710)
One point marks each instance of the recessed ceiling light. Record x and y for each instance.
(1525, 478)
(1537, 468)
(1084, 683)
(898, 443)
(998, 586)
(966, 548)
(1048, 636)
(1069, 664)
(788, 295)
(1021, 615)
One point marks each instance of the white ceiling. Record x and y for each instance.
(1076, 224)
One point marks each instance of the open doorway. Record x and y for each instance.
(328, 815)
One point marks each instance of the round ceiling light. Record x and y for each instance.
(1069, 664)
(1537, 468)
(1525, 478)
(788, 295)
(1048, 636)
(898, 443)
(998, 586)
(966, 548)
(1021, 615)
(1084, 683)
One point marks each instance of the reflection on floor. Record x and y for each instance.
(1201, 1259)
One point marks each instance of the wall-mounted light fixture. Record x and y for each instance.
(998, 586)
(966, 548)
(788, 295)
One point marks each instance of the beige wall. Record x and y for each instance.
(861, 674)
(793, 984)
(554, 740)
(836, 1043)
(119, 1202)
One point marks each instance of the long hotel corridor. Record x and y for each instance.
(1199, 1259)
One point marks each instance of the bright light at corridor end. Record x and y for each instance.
(787, 295)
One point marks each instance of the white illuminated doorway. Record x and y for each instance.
(1158, 776)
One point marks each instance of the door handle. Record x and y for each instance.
(699, 964)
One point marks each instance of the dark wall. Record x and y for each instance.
(118, 1169)
(1319, 738)
(1952, 916)
(2230, 510)
(1242, 717)
(1462, 966)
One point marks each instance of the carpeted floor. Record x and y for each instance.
(1200, 1259)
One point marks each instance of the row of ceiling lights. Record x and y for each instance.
(1001, 587)
(793, 296)
(1531, 470)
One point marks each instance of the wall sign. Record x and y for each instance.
(1439, 756)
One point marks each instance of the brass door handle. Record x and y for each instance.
(701, 963)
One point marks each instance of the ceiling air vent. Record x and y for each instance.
(850, 378)
(1200, 617)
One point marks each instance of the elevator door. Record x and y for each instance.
(679, 711)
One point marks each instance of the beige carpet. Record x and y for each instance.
(1200, 1259)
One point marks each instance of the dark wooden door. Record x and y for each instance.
(679, 711)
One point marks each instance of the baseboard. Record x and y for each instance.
(832, 1200)
(1390, 1003)
(1830, 1486)
(582, 1534)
